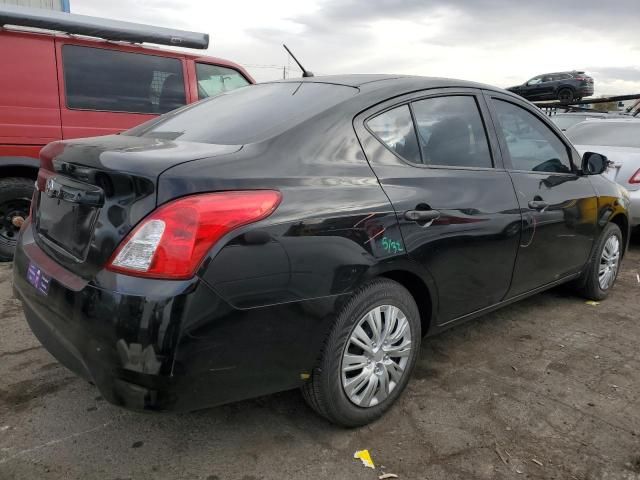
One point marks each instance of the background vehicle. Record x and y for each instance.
(569, 119)
(563, 86)
(306, 234)
(619, 140)
(57, 86)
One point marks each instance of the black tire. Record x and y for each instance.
(324, 391)
(15, 200)
(590, 287)
(566, 95)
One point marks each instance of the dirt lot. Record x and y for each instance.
(547, 388)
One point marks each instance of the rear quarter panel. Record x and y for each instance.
(325, 237)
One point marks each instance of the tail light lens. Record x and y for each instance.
(172, 241)
(635, 178)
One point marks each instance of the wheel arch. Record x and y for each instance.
(622, 221)
(25, 167)
(419, 291)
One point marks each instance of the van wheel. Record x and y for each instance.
(368, 357)
(15, 203)
(604, 264)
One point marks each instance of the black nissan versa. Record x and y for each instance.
(305, 233)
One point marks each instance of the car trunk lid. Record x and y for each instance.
(92, 192)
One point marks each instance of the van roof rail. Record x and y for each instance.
(100, 27)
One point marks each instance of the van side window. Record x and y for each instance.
(213, 79)
(451, 132)
(395, 129)
(108, 80)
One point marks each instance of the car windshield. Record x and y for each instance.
(247, 115)
(614, 134)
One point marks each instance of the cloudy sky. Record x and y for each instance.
(500, 42)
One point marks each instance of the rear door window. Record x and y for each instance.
(213, 79)
(395, 129)
(451, 132)
(114, 81)
(532, 145)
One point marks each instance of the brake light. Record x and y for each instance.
(635, 178)
(172, 241)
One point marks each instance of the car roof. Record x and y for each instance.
(379, 81)
(614, 119)
(587, 114)
(560, 73)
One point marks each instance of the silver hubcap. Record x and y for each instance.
(376, 355)
(609, 263)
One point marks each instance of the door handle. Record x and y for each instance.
(421, 215)
(538, 205)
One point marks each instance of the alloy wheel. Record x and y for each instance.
(376, 355)
(609, 261)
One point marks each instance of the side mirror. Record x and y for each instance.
(594, 163)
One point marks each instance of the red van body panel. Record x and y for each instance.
(29, 106)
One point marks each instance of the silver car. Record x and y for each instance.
(619, 141)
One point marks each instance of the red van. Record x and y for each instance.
(59, 86)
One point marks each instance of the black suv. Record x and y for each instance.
(563, 86)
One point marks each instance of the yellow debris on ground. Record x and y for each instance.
(365, 457)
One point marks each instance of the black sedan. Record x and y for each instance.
(305, 233)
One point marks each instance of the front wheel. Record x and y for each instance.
(368, 357)
(603, 267)
(15, 203)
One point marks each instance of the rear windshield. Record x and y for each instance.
(247, 115)
(613, 134)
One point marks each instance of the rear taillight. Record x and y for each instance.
(635, 178)
(172, 241)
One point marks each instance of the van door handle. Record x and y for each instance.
(421, 215)
(538, 205)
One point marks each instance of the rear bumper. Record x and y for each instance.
(161, 345)
(585, 91)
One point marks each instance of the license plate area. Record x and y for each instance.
(69, 226)
(38, 279)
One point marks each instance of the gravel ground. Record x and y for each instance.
(547, 388)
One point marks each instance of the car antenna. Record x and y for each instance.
(305, 73)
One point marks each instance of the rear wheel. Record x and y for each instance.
(604, 264)
(15, 202)
(368, 357)
(566, 95)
